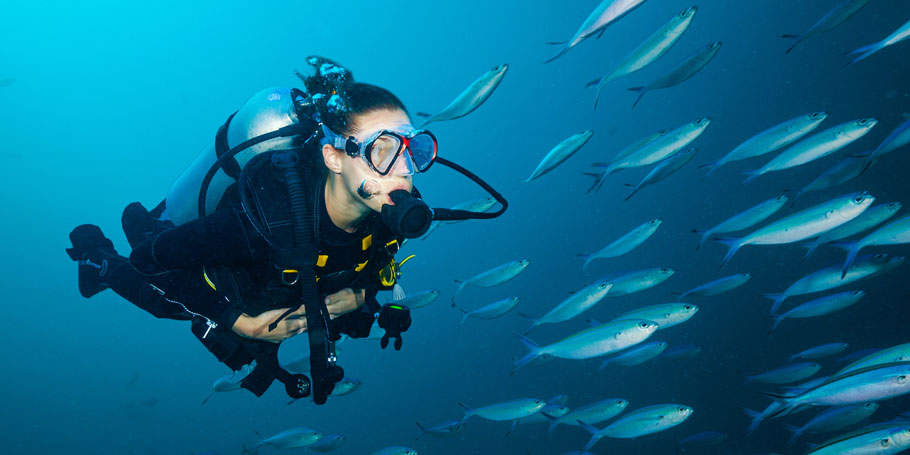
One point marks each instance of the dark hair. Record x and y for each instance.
(339, 99)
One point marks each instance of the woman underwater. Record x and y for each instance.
(297, 184)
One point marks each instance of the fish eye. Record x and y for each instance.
(885, 442)
(881, 256)
(859, 199)
(815, 115)
(681, 409)
(643, 324)
(621, 402)
(664, 269)
(688, 307)
(901, 379)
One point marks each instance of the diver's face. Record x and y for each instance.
(355, 171)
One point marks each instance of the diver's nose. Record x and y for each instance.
(404, 165)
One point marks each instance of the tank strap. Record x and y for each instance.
(231, 167)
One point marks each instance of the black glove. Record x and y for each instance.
(394, 319)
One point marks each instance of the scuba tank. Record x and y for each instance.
(265, 112)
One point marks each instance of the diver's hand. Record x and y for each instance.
(258, 327)
(344, 301)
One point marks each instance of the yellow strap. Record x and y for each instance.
(367, 242)
(207, 280)
(406, 260)
(361, 266)
(321, 260)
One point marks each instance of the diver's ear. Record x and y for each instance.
(332, 158)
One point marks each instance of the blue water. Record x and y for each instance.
(112, 100)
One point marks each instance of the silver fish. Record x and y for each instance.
(560, 153)
(494, 276)
(803, 225)
(871, 440)
(637, 355)
(228, 383)
(894, 233)
(291, 438)
(395, 450)
(821, 306)
(872, 217)
(575, 304)
(786, 374)
(594, 342)
(820, 351)
(898, 353)
(639, 280)
(650, 50)
(491, 311)
(657, 150)
(419, 299)
(874, 383)
(551, 410)
(842, 172)
(771, 139)
(593, 413)
(442, 430)
(897, 139)
(638, 144)
(902, 33)
(664, 169)
(505, 411)
(718, 286)
(640, 422)
(681, 72)
(329, 443)
(607, 12)
(744, 220)
(624, 244)
(835, 17)
(816, 146)
(472, 97)
(830, 277)
(665, 315)
(833, 419)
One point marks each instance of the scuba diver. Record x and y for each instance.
(288, 222)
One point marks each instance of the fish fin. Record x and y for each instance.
(852, 250)
(602, 30)
(811, 246)
(704, 237)
(777, 320)
(748, 378)
(733, 244)
(778, 396)
(798, 39)
(559, 54)
(398, 292)
(751, 413)
(712, 166)
(593, 174)
(603, 365)
(751, 175)
(512, 428)
(797, 432)
(207, 397)
(557, 43)
(600, 87)
(601, 164)
(533, 354)
(866, 51)
(465, 318)
(583, 255)
(632, 193)
(593, 83)
(778, 299)
(422, 431)
(424, 115)
(461, 285)
(467, 413)
(813, 446)
(593, 323)
(641, 93)
(591, 428)
(629, 184)
(553, 425)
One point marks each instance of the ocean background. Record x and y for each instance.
(112, 100)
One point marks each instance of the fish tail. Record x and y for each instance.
(811, 247)
(777, 320)
(752, 175)
(712, 166)
(553, 425)
(641, 93)
(734, 244)
(704, 237)
(557, 43)
(533, 354)
(460, 287)
(751, 413)
(862, 57)
(632, 193)
(559, 54)
(852, 250)
(422, 431)
(778, 300)
(598, 177)
(593, 83)
(600, 86)
(589, 258)
(798, 39)
(207, 397)
(797, 432)
(866, 51)
(468, 412)
(603, 365)
(465, 318)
